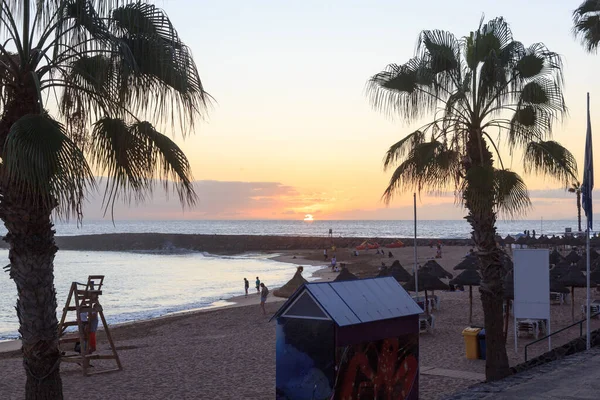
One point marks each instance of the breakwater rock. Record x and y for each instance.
(231, 244)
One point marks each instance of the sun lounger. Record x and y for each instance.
(426, 323)
(557, 298)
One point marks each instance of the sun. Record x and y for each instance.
(308, 217)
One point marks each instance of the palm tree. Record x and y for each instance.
(116, 73)
(576, 188)
(586, 21)
(477, 90)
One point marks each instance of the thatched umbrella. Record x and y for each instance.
(469, 277)
(573, 278)
(555, 257)
(509, 240)
(399, 273)
(507, 262)
(289, 288)
(345, 275)
(426, 282)
(595, 276)
(521, 240)
(573, 257)
(436, 270)
(582, 264)
(557, 286)
(559, 270)
(469, 262)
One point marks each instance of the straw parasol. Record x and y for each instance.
(573, 278)
(559, 270)
(556, 257)
(509, 239)
(436, 270)
(426, 282)
(521, 240)
(469, 277)
(557, 286)
(573, 257)
(595, 276)
(289, 288)
(345, 275)
(399, 273)
(469, 262)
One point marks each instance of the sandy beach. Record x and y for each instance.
(229, 352)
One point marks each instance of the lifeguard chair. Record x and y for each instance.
(84, 299)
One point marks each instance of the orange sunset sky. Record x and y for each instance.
(291, 131)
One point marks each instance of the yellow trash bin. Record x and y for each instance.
(471, 344)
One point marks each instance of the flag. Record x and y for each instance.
(588, 171)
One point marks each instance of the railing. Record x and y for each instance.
(580, 323)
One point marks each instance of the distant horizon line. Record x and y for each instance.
(297, 220)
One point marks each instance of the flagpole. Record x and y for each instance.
(588, 342)
(415, 271)
(588, 185)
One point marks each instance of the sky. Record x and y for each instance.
(291, 131)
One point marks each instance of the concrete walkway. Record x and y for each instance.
(574, 377)
(452, 373)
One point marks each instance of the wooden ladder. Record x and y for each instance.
(86, 300)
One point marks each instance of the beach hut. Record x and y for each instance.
(289, 288)
(345, 275)
(348, 340)
(469, 277)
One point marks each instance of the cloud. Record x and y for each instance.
(217, 200)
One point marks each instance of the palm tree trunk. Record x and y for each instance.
(482, 218)
(579, 208)
(470, 304)
(31, 254)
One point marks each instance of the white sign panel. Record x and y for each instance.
(532, 283)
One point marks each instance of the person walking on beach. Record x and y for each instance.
(246, 286)
(333, 262)
(257, 285)
(325, 254)
(263, 297)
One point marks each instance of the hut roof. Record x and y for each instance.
(469, 277)
(469, 262)
(351, 302)
(573, 257)
(293, 284)
(573, 277)
(509, 239)
(426, 282)
(345, 275)
(435, 269)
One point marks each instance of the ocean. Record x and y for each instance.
(401, 228)
(151, 284)
(140, 286)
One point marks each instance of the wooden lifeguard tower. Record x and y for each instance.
(84, 299)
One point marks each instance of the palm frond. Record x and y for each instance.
(428, 165)
(43, 165)
(552, 159)
(512, 196)
(586, 24)
(133, 156)
(405, 90)
(399, 149)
